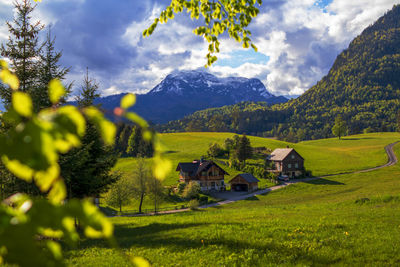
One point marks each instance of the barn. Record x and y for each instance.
(244, 182)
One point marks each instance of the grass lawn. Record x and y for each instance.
(342, 220)
(324, 156)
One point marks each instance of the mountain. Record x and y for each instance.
(184, 92)
(363, 86)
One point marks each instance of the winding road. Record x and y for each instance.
(392, 160)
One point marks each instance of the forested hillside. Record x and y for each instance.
(363, 86)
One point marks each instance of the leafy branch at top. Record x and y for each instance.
(232, 16)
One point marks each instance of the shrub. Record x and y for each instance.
(203, 199)
(193, 204)
(181, 187)
(215, 150)
(191, 190)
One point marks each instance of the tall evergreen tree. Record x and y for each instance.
(87, 170)
(244, 149)
(22, 49)
(49, 69)
(133, 143)
(88, 92)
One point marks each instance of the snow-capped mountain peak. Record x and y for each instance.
(201, 82)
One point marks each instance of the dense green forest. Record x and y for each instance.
(363, 86)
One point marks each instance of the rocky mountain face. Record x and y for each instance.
(184, 92)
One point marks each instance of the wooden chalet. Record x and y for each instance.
(244, 182)
(208, 174)
(286, 161)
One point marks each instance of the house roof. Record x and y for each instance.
(248, 177)
(196, 167)
(280, 154)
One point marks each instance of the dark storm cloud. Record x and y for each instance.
(90, 34)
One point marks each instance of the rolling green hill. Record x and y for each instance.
(363, 86)
(341, 220)
(351, 153)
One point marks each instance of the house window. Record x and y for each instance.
(222, 182)
(292, 156)
(296, 165)
(203, 173)
(289, 165)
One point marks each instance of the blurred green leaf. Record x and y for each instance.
(162, 167)
(8, 78)
(55, 249)
(20, 170)
(22, 103)
(137, 119)
(44, 179)
(128, 101)
(107, 128)
(56, 91)
(58, 192)
(140, 262)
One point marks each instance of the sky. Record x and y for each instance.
(297, 41)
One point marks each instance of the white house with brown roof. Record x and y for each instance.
(286, 161)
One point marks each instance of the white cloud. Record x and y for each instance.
(113, 90)
(300, 39)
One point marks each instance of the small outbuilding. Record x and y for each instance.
(244, 182)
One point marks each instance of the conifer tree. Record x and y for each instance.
(88, 92)
(244, 149)
(133, 143)
(22, 49)
(87, 170)
(49, 70)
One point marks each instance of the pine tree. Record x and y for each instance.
(22, 49)
(89, 91)
(244, 149)
(123, 139)
(87, 170)
(133, 143)
(49, 70)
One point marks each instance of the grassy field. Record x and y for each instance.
(342, 220)
(325, 156)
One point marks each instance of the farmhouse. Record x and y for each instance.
(286, 161)
(244, 182)
(208, 174)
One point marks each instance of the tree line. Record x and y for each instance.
(86, 169)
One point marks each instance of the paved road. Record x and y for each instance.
(392, 160)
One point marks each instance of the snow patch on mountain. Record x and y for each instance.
(199, 82)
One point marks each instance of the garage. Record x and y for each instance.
(239, 187)
(244, 182)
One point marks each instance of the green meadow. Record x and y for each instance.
(350, 219)
(322, 157)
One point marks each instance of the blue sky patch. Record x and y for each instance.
(240, 57)
(322, 4)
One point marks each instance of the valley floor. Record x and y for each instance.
(350, 219)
